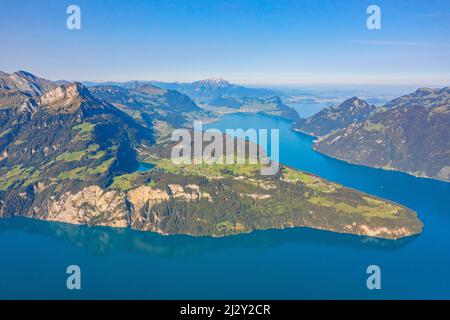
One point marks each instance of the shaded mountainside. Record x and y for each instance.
(19, 87)
(334, 118)
(24, 82)
(410, 134)
(67, 141)
(72, 157)
(152, 106)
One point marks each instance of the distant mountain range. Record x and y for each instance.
(72, 154)
(216, 96)
(410, 133)
(203, 89)
(212, 88)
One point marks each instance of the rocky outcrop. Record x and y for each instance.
(222, 208)
(92, 206)
(65, 98)
(136, 208)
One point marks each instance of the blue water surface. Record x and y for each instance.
(298, 263)
(144, 167)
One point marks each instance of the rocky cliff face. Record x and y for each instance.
(196, 209)
(137, 208)
(410, 133)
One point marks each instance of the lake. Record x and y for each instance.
(298, 263)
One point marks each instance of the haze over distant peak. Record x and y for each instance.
(214, 82)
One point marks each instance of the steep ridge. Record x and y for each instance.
(334, 118)
(24, 82)
(410, 134)
(152, 106)
(70, 139)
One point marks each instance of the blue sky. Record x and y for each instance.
(254, 42)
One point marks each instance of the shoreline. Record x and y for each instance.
(212, 236)
(313, 146)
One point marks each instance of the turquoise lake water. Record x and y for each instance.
(145, 166)
(298, 263)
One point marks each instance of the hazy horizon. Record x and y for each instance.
(263, 43)
(285, 86)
